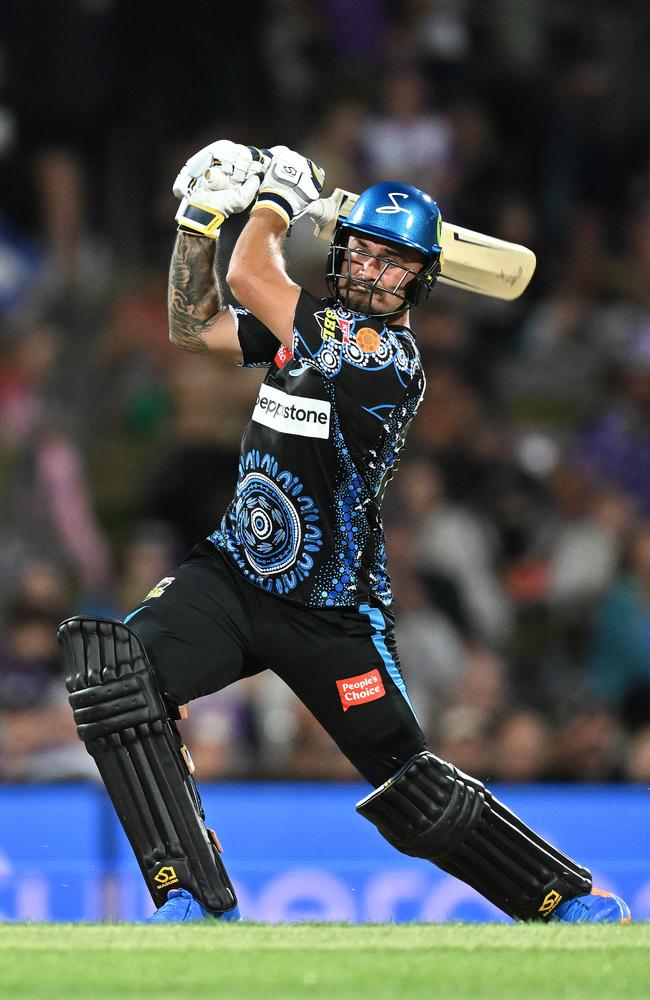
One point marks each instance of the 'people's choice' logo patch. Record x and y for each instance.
(360, 689)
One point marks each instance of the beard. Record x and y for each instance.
(359, 297)
(366, 300)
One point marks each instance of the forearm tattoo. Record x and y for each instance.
(195, 295)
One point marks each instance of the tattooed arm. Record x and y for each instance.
(198, 319)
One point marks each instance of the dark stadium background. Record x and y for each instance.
(519, 522)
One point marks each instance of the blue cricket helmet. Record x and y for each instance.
(398, 214)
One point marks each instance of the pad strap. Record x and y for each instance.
(126, 726)
(431, 810)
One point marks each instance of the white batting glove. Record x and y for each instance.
(211, 200)
(291, 183)
(236, 161)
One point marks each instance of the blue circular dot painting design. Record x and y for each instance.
(268, 524)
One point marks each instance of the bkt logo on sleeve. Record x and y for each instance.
(292, 414)
(160, 587)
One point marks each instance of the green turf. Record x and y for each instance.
(323, 961)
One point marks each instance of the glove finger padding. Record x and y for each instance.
(290, 185)
(215, 179)
(238, 199)
(236, 161)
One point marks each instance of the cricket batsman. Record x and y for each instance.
(294, 579)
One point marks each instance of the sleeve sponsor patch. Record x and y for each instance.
(284, 354)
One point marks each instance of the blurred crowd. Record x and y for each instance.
(519, 521)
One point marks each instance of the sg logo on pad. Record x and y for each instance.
(551, 900)
(166, 876)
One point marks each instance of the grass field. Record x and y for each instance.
(323, 961)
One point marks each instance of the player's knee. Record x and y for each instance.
(155, 643)
(378, 759)
(426, 808)
(112, 686)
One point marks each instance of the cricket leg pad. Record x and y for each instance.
(429, 809)
(127, 727)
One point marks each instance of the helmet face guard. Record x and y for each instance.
(411, 288)
(398, 215)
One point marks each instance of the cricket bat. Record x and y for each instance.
(471, 261)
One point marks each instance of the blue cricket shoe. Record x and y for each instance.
(599, 907)
(181, 906)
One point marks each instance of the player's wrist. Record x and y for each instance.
(274, 215)
(198, 219)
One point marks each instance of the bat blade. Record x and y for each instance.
(483, 264)
(472, 261)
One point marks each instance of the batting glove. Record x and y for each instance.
(237, 162)
(290, 185)
(212, 200)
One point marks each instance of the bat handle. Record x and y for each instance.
(325, 211)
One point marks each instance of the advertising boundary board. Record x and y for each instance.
(297, 852)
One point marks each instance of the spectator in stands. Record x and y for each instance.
(455, 542)
(408, 139)
(619, 661)
(637, 758)
(45, 499)
(521, 747)
(615, 449)
(38, 740)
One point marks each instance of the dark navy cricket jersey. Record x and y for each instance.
(328, 424)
